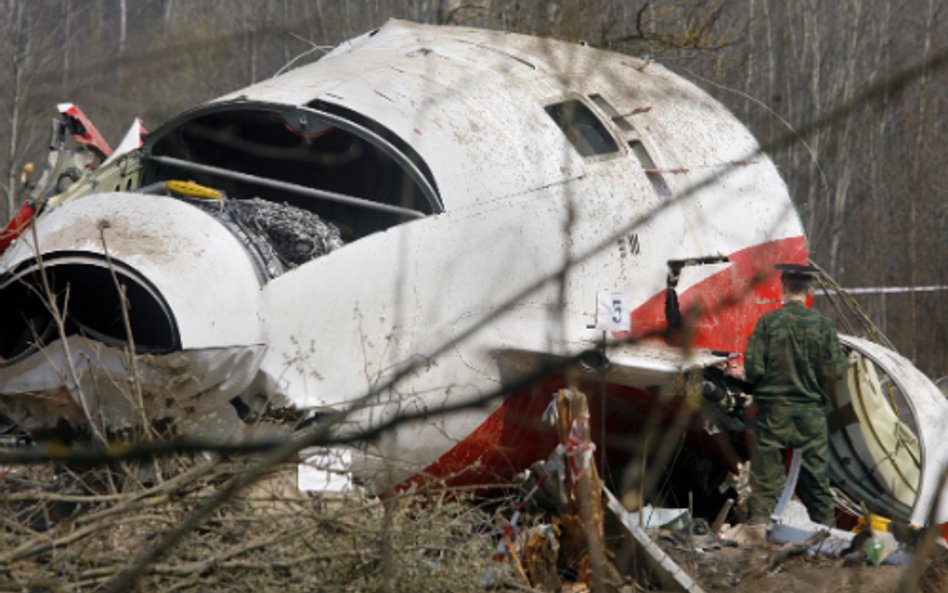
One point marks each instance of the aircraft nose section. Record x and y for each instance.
(112, 270)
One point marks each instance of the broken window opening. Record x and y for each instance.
(423, 177)
(582, 128)
(345, 175)
(651, 171)
(611, 113)
(86, 294)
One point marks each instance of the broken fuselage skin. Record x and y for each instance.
(491, 190)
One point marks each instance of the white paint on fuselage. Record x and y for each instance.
(519, 203)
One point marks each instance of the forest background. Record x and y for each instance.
(869, 187)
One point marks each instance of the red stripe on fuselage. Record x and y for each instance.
(721, 312)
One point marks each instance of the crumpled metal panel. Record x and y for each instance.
(643, 364)
(929, 409)
(202, 273)
(296, 235)
(76, 379)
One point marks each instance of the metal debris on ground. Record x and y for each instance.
(563, 546)
(566, 512)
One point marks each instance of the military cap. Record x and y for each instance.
(798, 270)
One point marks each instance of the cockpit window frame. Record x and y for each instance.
(311, 118)
(602, 130)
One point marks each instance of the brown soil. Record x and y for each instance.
(754, 570)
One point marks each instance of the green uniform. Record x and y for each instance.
(792, 359)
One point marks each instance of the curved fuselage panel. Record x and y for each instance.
(538, 220)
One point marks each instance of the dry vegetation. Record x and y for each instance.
(72, 531)
(66, 530)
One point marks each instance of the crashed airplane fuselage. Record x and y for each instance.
(426, 213)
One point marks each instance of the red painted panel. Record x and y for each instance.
(725, 308)
(16, 226)
(91, 135)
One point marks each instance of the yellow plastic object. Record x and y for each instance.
(193, 190)
(878, 523)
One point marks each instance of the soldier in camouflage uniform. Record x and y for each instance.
(792, 360)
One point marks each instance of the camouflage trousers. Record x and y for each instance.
(781, 426)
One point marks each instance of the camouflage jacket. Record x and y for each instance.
(793, 356)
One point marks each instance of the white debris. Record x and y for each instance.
(325, 470)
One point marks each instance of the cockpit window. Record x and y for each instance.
(582, 128)
(610, 111)
(323, 163)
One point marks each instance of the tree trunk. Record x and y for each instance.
(20, 48)
(912, 195)
(67, 15)
(123, 25)
(846, 160)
